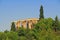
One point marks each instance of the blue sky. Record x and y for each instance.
(11, 10)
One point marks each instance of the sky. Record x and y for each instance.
(11, 10)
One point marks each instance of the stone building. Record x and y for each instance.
(28, 23)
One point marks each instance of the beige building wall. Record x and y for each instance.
(23, 23)
(34, 21)
(30, 24)
(17, 24)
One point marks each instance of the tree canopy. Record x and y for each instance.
(13, 28)
(41, 13)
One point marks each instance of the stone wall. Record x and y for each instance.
(26, 23)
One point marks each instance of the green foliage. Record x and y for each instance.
(6, 31)
(21, 32)
(41, 12)
(13, 27)
(31, 35)
(3, 36)
(22, 38)
(44, 24)
(12, 35)
(56, 24)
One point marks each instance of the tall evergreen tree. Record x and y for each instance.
(56, 23)
(41, 13)
(56, 20)
(13, 27)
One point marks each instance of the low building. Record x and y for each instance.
(26, 23)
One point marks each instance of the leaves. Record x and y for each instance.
(13, 27)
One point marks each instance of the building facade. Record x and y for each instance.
(28, 23)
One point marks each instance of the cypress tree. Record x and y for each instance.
(41, 13)
(56, 20)
(56, 24)
(13, 27)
